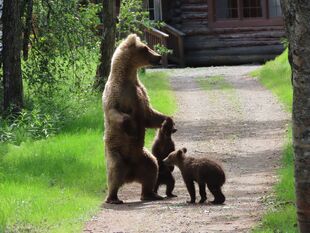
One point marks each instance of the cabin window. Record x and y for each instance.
(231, 9)
(155, 9)
(244, 13)
(237, 9)
(252, 8)
(274, 8)
(227, 9)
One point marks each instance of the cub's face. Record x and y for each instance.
(168, 127)
(176, 157)
(141, 55)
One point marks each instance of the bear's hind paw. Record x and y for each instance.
(151, 197)
(114, 201)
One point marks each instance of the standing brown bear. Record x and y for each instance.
(201, 170)
(163, 145)
(127, 115)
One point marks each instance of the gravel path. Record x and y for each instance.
(241, 125)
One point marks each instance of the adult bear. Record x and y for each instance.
(127, 115)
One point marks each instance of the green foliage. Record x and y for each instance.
(276, 76)
(56, 184)
(28, 124)
(162, 50)
(64, 38)
(133, 18)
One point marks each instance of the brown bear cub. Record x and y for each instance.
(201, 170)
(162, 147)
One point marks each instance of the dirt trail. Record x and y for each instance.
(239, 124)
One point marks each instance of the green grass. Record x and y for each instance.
(276, 76)
(56, 184)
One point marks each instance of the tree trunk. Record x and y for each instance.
(297, 18)
(27, 30)
(12, 75)
(107, 44)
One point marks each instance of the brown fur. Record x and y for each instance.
(201, 170)
(163, 145)
(127, 115)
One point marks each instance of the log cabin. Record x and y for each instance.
(217, 32)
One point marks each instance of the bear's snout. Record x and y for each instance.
(155, 60)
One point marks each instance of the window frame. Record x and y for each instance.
(265, 20)
(156, 9)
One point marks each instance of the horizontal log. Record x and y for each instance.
(195, 16)
(193, 1)
(195, 7)
(236, 51)
(205, 32)
(232, 31)
(217, 44)
(228, 60)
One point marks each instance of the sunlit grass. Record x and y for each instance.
(276, 76)
(56, 184)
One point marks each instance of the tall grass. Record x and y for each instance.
(56, 184)
(276, 76)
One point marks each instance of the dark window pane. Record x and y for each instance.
(151, 3)
(252, 8)
(227, 9)
(151, 15)
(274, 8)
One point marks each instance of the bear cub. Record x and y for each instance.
(201, 170)
(163, 145)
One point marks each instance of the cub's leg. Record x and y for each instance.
(170, 182)
(191, 189)
(158, 183)
(202, 192)
(146, 174)
(219, 197)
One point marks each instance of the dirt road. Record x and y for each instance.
(234, 120)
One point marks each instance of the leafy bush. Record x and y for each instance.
(29, 124)
(132, 18)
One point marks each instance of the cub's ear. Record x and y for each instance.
(184, 150)
(180, 154)
(169, 120)
(131, 40)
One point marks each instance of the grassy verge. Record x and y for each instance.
(56, 184)
(275, 75)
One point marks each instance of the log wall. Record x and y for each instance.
(222, 46)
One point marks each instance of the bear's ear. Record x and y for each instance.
(184, 150)
(131, 40)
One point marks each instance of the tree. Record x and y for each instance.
(12, 75)
(107, 43)
(297, 18)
